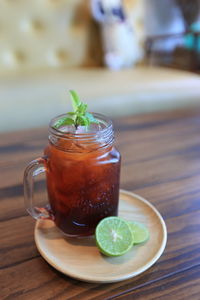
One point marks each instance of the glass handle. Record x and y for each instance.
(33, 169)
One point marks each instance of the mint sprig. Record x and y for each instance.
(79, 117)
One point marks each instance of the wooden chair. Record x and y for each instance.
(181, 57)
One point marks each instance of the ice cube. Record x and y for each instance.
(67, 129)
(92, 128)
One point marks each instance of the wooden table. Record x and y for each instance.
(161, 162)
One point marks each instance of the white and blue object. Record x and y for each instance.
(121, 49)
(190, 41)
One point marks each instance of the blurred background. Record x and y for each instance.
(123, 57)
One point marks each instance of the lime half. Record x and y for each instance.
(140, 232)
(114, 236)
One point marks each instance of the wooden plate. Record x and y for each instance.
(80, 258)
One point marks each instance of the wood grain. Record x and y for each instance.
(176, 287)
(160, 162)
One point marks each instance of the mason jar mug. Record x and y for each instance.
(82, 174)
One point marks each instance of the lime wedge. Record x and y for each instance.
(140, 232)
(114, 236)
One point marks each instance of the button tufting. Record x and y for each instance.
(58, 57)
(37, 25)
(40, 34)
(34, 25)
(13, 58)
(62, 55)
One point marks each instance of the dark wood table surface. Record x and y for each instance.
(161, 162)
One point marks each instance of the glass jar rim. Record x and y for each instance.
(102, 138)
(82, 135)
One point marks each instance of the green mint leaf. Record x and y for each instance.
(91, 118)
(79, 117)
(75, 100)
(85, 121)
(80, 121)
(82, 108)
(69, 121)
(63, 122)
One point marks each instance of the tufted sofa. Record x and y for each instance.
(39, 34)
(44, 51)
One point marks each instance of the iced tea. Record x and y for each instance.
(82, 169)
(83, 186)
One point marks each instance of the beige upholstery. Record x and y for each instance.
(37, 34)
(32, 100)
(41, 34)
(40, 42)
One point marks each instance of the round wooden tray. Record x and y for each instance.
(80, 258)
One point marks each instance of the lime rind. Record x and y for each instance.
(140, 232)
(114, 236)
